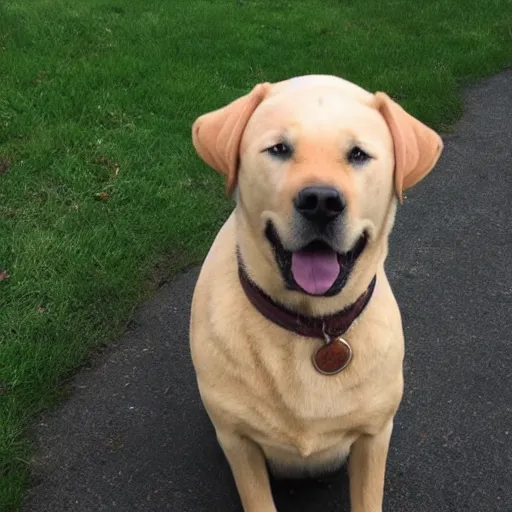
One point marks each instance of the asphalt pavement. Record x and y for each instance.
(133, 436)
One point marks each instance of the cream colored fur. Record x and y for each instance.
(256, 380)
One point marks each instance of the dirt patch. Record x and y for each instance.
(5, 163)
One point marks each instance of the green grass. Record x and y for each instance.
(98, 96)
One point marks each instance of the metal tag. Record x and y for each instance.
(333, 357)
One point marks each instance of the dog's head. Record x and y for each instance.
(317, 163)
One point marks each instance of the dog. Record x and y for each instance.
(296, 337)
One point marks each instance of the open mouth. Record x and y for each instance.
(316, 269)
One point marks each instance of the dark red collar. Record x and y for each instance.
(330, 326)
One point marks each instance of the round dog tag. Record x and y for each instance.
(333, 357)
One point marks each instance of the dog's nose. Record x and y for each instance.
(319, 204)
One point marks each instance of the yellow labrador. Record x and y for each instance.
(296, 336)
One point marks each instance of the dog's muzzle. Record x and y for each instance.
(315, 267)
(313, 263)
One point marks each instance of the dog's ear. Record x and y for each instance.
(417, 147)
(217, 135)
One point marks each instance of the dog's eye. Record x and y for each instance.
(356, 156)
(280, 150)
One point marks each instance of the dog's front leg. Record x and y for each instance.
(248, 466)
(367, 467)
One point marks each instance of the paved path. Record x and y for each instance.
(133, 437)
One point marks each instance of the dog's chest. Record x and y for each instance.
(262, 382)
(310, 414)
(298, 437)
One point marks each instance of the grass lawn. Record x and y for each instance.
(101, 194)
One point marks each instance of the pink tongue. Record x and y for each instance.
(315, 272)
